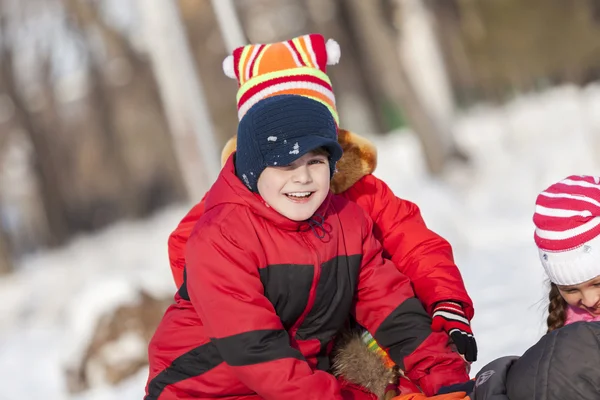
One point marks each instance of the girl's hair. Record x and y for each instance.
(557, 309)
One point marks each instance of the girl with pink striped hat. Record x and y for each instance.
(567, 220)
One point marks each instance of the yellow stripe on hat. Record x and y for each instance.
(242, 64)
(260, 56)
(250, 61)
(299, 43)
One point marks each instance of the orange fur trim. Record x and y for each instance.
(228, 149)
(359, 159)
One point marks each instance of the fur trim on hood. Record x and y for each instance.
(353, 360)
(359, 159)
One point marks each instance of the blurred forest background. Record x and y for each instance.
(110, 110)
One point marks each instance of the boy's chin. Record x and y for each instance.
(300, 216)
(299, 212)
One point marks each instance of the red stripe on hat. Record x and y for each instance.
(577, 188)
(557, 225)
(318, 45)
(577, 203)
(297, 78)
(237, 54)
(298, 55)
(260, 50)
(585, 178)
(566, 244)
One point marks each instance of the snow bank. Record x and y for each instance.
(48, 308)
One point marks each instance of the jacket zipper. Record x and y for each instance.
(313, 289)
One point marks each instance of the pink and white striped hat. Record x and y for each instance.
(567, 234)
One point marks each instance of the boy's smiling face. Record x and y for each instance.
(297, 190)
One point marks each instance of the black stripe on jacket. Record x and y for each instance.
(193, 363)
(246, 348)
(256, 347)
(404, 330)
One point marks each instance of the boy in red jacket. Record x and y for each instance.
(277, 262)
(419, 253)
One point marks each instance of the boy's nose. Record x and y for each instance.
(302, 175)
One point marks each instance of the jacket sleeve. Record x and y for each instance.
(386, 306)
(178, 239)
(418, 252)
(227, 293)
(491, 380)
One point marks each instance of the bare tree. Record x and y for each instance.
(83, 20)
(182, 94)
(229, 24)
(48, 177)
(355, 98)
(376, 40)
(141, 95)
(422, 58)
(6, 262)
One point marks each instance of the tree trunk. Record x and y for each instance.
(354, 100)
(47, 174)
(182, 94)
(422, 59)
(229, 24)
(6, 262)
(102, 106)
(381, 59)
(136, 106)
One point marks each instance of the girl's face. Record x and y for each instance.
(586, 295)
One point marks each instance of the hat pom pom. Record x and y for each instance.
(228, 67)
(333, 52)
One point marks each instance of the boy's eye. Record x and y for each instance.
(317, 161)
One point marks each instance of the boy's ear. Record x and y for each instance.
(228, 150)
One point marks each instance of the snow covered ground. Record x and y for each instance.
(48, 307)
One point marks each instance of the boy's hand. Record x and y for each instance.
(449, 316)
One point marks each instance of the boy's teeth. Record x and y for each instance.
(299, 194)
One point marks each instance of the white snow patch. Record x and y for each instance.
(50, 306)
(296, 149)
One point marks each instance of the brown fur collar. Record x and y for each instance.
(359, 159)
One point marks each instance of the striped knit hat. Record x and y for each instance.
(567, 220)
(286, 104)
(297, 66)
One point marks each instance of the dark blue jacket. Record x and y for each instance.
(562, 365)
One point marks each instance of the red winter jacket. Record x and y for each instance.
(264, 296)
(421, 254)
